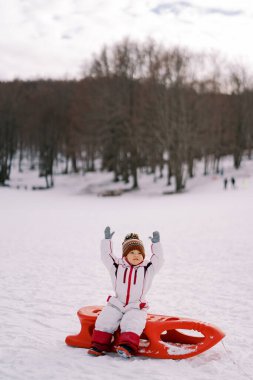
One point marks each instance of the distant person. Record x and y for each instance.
(225, 183)
(233, 182)
(132, 276)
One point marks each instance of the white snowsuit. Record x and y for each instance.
(131, 283)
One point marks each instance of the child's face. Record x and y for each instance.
(134, 257)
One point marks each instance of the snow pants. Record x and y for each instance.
(132, 323)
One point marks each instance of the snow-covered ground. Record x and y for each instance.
(50, 267)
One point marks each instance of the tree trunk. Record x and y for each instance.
(179, 178)
(190, 167)
(66, 170)
(205, 165)
(237, 158)
(135, 178)
(217, 165)
(20, 159)
(169, 174)
(3, 173)
(73, 163)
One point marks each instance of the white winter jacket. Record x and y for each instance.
(130, 283)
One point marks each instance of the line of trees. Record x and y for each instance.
(137, 107)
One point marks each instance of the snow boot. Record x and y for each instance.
(124, 351)
(101, 341)
(94, 351)
(128, 344)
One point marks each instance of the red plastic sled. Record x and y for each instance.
(162, 337)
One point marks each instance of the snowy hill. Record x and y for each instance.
(97, 183)
(50, 267)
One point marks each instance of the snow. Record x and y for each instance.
(50, 268)
(178, 349)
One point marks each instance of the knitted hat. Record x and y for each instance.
(132, 242)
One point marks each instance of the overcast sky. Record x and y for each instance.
(52, 38)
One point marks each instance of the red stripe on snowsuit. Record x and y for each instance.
(129, 285)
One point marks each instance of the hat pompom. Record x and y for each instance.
(132, 235)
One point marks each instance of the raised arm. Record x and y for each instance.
(107, 255)
(157, 258)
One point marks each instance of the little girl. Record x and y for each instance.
(131, 278)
